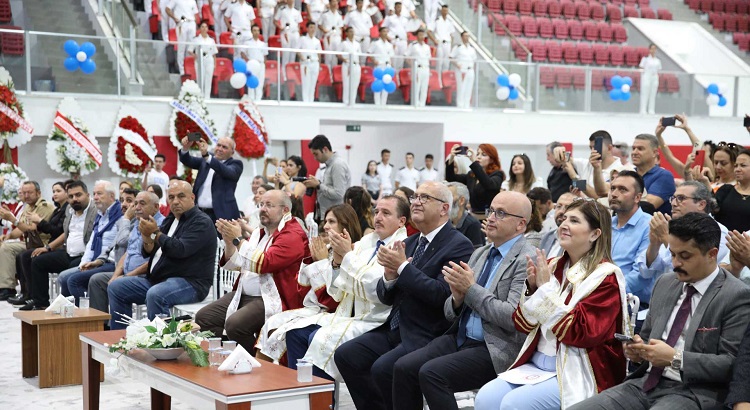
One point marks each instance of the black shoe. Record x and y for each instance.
(31, 305)
(19, 299)
(7, 293)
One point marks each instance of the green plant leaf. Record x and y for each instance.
(199, 357)
(150, 329)
(172, 326)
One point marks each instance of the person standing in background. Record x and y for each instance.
(408, 176)
(351, 74)
(329, 28)
(204, 50)
(156, 175)
(258, 51)
(183, 13)
(309, 62)
(267, 9)
(371, 180)
(421, 53)
(441, 32)
(428, 173)
(288, 20)
(385, 170)
(464, 57)
(336, 179)
(649, 80)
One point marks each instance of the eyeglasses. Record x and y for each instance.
(267, 205)
(680, 198)
(423, 199)
(499, 214)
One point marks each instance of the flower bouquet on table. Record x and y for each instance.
(130, 148)
(164, 340)
(71, 149)
(248, 129)
(190, 114)
(15, 128)
(13, 177)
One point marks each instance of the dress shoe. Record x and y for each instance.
(31, 305)
(7, 293)
(19, 299)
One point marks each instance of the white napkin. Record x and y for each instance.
(238, 354)
(58, 304)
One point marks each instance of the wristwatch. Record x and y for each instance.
(236, 241)
(153, 236)
(677, 361)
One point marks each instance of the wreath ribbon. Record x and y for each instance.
(64, 124)
(135, 139)
(196, 119)
(253, 126)
(22, 123)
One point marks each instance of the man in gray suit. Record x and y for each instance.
(697, 318)
(484, 293)
(549, 243)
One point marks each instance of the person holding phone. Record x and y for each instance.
(650, 65)
(723, 157)
(734, 210)
(289, 179)
(485, 178)
(679, 121)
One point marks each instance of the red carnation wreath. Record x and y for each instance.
(130, 149)
(15, 129)
(252, 141)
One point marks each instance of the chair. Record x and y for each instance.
(730, 23)
(547, 77)
(510, 6)
(601, 54)
(630, 11)
(524, 7)
(575, 30)
(616, 55)
(274, 41)
(568, 9)
(225, 38)
(12, 43)
(539, 52)
(605, 31)
(365, 79)
(271, 76)
(6, 14)
(632, 58)
(530, 28)
(293, 78)
(579, 78)
(554, 8)
(590, 30)
(585, 53)
(597, 10)
(563, 78)
(546, 29)
(600, 79)
(743, 7)
(338, 82)
(554, 52)
(207, 15)
(583, 11)
(324, 80)
(743, 24)
(433, 84)
(539, 8)
(664, 14)
(561, 29)
(705, 6)
(731, 6)
(570, 53)
(449, 85)
(673, 83)
(694, 4)
(189, 65)
(619, 32)
(614, 13)
(494, 5)
(514, 25)
(520, 53)
(647, 13)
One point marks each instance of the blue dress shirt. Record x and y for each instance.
(627, 243)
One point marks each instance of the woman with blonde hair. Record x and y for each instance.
(570, 311)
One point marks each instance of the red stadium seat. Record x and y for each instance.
(514, 25)
(222, 72)
(632, 58)
(693, 4)
(605, 31)
(630, 2)
(705, 6)
(324, 79)
(631, 11)
(274, 41)
(554, 51)
(364, 81)
(619, 32)
(172, 35)
(599, 79)
(585, 53)
(561, 29)
(590, 30)
(673, 83)
(642, 52)
(601, 54)
(539, 52)
(644, 3)
(568, 9)
(524, 7)
(433, 84)
(647, 13)
(570, 53)
(12, 43)
(743, 24)
(539, 8)
(271, 76)
(547, 77)
(546, 29)
(730, 23)
(579, 78)
(190, 73)
(404, 77)
(6, 14)
(225, 38)
(554, 8)
(494, 5)
(664, 14)
(530, 28)
(743, 7)
(520, 53)
(583, 11)
(575, 30)
(510, 6)
(718, 5)
(731, 6)
(744, 42)
(597, 10)
(207, 15)
(338, 79)
(563, 78)
(616, 55)
(293, 78)
(449, 85)
(614, 13)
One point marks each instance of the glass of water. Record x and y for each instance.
(229, 345)
(304, 371)
(83, 301)
(214, 351)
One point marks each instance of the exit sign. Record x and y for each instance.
(353, 128)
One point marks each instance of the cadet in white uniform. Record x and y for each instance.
(383, 51)
(385, 170)
(397, 27)
(218, 8)
(408, 176)
(239, 20)
(464, 57)
(361, 22)
(649, 80)
(350, 79)
(289, 19)
(442, 35)
(315, 9)
(428, 173)
(309, 62)
(267, 9)
(183, 13)
(256, 50)
(407, 6)
(205, 58)
(430, 10)
(167, 22)
(421, 53)
(329, 27)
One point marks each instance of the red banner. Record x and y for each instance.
(23, 124)
(71, 131)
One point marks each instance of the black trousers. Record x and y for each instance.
(55, 262)
(438, 370)
(366, 364)
(23, 270)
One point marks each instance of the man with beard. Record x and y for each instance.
(630, 227)
(550, 243)
(66, 250)
(469, 226)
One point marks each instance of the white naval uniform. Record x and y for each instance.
(649, 83)
(383, 51)
(421, 54)
(332, 22)
(219, 7)
(309, 66)
(443, 31)
(315, 9)
(184, 11)
(466, 56)
(361, 23)
(350, 80)
(397, 27)
(267, 8)
(407, 6)
(166, 22)
(426, 175)
(386, 178)
(241, 16)
(289, 18)
(205, 51)
(408, 177)
(431, 10)
(257, 50)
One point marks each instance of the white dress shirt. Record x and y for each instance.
(289, 18)
(310, 43)
(258, 50)
(408, 177)
(242, 16)
(353, 47)
(443, 29)
(74, 243)
(465, 55)
(396, 26)
(267, 8)
(426, 174)
(383, 51)
(184, 8)
(650, 65)
(170, 233)
(421, 53)
(332, 22)
(360, 21)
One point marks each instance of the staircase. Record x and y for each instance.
(152, 66)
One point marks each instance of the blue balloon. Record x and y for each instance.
(503, 81)
(88, 66)
(628, 81)
(377, 86)
(722, 101)
(615, 94)
(616, 82)
(252, 82)
(713, 89)
(390, 87)
(70, 64)
(239, 65)
(513, 94)
(390, 71)
(624, 96)
(71, 47)
(89, 49)
(511, 87)
(378, 73)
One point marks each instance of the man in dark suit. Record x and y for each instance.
(483, 340)
(416, 290)
(695, 323)
(217, 177)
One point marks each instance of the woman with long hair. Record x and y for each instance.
(570, 311)
(734, 209)
(371, 181)
(522, 178)
(723, 157)
(484, 180)
(361, 201)
(295, 167)
(533, 233)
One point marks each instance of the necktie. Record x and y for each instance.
(481, 281)
(376, 250)
(674, 333)
(414, 259)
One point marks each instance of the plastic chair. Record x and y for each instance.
(449, 85)
(293, 78)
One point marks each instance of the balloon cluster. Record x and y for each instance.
(383, 80)
(79, 56)
(620, 88)
(243, 74)
(716, 94)
(508, 86)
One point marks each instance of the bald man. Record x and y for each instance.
(181, 260)
(217, 178)
(484, 293)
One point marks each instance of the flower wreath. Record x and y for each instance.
(14, 178)
(65, 154)
(190, 102)
(15, 129)
(248, 129)
(130, 148)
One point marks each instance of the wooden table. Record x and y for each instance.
(267, 387)
(50, 345)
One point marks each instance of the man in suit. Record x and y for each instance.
(692, 332)
(549, 243)
(416, 289)
(483, 340)
(217, 177)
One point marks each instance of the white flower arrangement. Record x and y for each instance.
(133, 140)
(65, 155)
(14, 178)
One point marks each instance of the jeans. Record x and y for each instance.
(499, 394)
(78, 281)
(159, 298)
(62, 280)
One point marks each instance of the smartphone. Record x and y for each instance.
(668, 121)
(623, 338)
(700, 158)
(299, 179)
(747, 121)
(463, 150)
(567, 156)
(599, 145)
(579, 184)
(194, 136)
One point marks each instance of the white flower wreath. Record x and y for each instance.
(14, 178)
(191, 97)
(65, 155)
(21, 136)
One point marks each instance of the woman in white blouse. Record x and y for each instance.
(205, 58)
(649, 80)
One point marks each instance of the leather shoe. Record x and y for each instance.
(6, 293)
(19, 299)
(31, 305)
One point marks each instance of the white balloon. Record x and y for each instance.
(387, 78)
(712, 99)
(81, 56)
(514, 79)
(723, 89)
(502, 93)
(253, 66)
(625, 88)
(238, 80)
